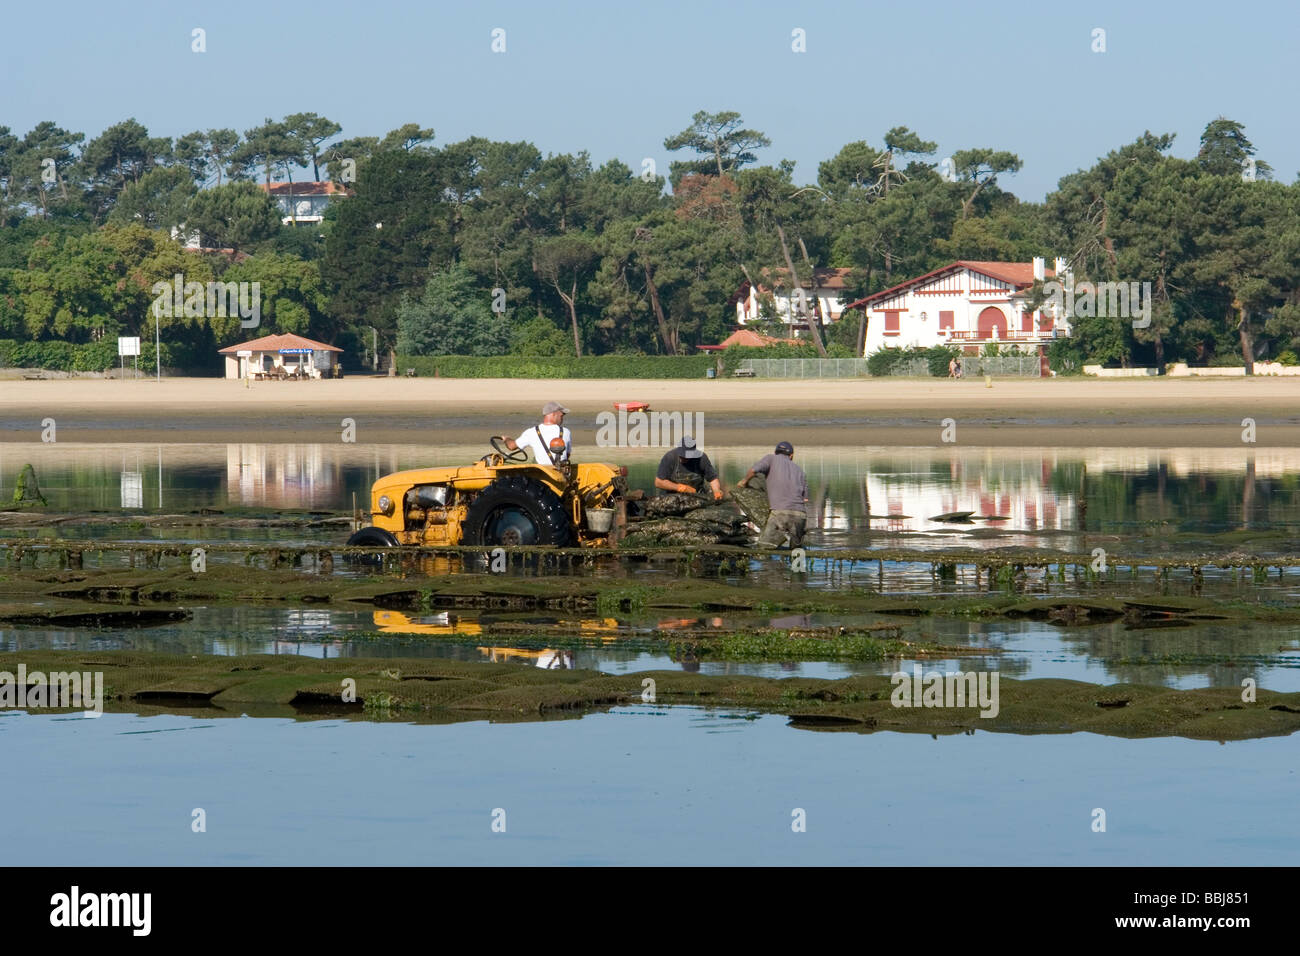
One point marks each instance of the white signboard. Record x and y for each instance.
(244, 353)
(128, 346)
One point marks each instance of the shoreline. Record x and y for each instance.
(1146, 413)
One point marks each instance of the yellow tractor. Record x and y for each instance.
(502, 499)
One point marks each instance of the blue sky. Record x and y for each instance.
(616, 78)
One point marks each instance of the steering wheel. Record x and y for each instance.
(498, 445)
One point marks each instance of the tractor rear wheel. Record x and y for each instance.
(517, 511)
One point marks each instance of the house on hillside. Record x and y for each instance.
(825, 300)
(304, 204)
(967, 303)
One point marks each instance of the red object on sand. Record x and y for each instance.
(631, 406)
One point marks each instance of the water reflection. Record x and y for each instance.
(855, 492)
(1208, 654)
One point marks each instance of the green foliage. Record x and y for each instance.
(66, 357)
(292, 299)
(938, 357)
(452, 317)
(590, 366)
(1065, 356)
(602, 258)
(720, 142)
(539, 336)
(889, 361)
(884, 361)
(158, 200)
(733, 355)
(233, 216)
(1287, 357)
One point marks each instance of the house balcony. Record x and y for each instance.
(973, 337)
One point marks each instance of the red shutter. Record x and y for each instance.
(1026, 321)
(1045, 323)
(891, 322)
(945, 320)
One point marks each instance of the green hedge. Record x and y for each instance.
(67, 357)
(884, 361)
(522, 366)
(734, 355)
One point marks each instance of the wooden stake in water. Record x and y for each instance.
(1081, 508)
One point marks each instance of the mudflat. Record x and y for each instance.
(1061, 412)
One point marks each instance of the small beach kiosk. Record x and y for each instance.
(281, 357)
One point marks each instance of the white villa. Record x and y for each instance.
(303, 204)
(825, 301)
(967, 303)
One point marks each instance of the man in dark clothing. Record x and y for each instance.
(787, 494)
(687, 470)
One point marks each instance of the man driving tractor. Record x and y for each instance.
(686, 469)
(549, 441)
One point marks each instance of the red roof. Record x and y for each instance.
(1018, 274)
(274, 343)
(750, 338)
(309, 188)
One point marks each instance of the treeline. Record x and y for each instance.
(487, 248)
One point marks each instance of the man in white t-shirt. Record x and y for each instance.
(545, 439)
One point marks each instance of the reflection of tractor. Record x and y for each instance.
(502, 499)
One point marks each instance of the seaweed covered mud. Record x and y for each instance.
(449, 691)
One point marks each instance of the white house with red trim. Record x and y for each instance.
(825, 299)
(968, 303)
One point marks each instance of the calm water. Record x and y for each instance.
(638, 785)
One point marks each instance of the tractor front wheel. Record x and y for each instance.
(517, 512)
(372, 538)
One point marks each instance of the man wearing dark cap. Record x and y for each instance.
(787, 495)
(550, 440)
(686, 469)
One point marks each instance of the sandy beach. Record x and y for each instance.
(1073, 412)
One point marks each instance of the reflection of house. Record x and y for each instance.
(304, 204)
(824, 300)
(277, 355)
(283, 476)
(966, 303)
(1019, 489)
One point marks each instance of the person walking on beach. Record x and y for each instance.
(787, 495)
